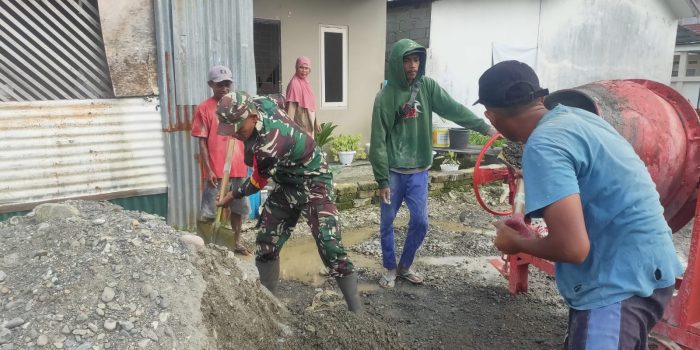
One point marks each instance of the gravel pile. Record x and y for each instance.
(90, 275)
(82, 275)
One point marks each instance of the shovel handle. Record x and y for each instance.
(224, 180)
(519, 198)
(227, 168)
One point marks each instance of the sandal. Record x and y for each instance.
(411, 276)
(242, 250)
(387, 281)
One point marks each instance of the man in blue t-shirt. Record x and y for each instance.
(615, 261)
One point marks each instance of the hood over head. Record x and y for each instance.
(394, 70)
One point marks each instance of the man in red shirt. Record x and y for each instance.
(212, 151)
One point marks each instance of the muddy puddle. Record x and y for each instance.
(300, 260)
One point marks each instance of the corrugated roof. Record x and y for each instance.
(688, 34)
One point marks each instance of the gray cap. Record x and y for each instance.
(219, 74)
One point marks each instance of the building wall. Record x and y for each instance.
(462, 36)
(685, 77)
(410, 21)
(576, 41)
(300, 26)
(605, 39)
(128, 32)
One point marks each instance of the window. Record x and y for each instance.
(334, 66)
(676, 63)
(692, 67)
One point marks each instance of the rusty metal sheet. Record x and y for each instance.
(79, 148)
(191, 37)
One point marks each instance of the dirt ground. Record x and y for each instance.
(464, 303)
(90, 275)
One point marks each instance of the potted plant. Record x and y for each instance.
(449, 161)
(323, 136)
(345, 147)
(478, 140)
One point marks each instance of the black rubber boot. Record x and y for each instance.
(269, 274)
(348, 285)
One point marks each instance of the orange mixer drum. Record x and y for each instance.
(661, 125)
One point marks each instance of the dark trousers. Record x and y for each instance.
(624, 325)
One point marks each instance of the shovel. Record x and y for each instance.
(223, 189)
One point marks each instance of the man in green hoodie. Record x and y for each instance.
(401, 151)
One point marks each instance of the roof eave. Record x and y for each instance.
(684, 8)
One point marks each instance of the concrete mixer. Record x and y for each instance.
(664, 130)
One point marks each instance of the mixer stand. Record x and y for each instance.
(681, 322)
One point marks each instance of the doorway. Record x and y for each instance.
(267, 41)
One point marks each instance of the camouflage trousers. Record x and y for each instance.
(312, 200)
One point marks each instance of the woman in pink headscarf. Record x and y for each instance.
(301, 102)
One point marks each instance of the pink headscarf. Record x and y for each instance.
(299, 89)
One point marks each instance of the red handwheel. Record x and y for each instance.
(487, 175)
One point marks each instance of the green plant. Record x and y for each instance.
(479, 139)
(347, 143)
(323, 137)
(449, 157)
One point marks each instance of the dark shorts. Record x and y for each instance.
(208, 208)
(623, 325)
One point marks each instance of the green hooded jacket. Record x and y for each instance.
(406, 143)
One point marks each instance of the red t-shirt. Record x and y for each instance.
(205, 125)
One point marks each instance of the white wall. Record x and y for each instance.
(691, 91)
(577, 41)
(584, 41)
(462, 34)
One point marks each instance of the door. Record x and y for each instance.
(267, 42)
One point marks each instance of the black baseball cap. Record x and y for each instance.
(509, 83)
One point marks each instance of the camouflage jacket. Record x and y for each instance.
(279, 148)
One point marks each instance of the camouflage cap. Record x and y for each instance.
(232, 109)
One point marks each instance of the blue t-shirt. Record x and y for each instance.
(631, 252)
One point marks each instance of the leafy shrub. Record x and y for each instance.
(346, 143)
(478, 139)
(449, 157)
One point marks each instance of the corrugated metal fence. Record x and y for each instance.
(191, 37)
(100, 149)
(61, 134)
(68, 32)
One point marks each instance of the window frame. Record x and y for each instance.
(343, 30)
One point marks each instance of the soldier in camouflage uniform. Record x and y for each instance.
(279, 149)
